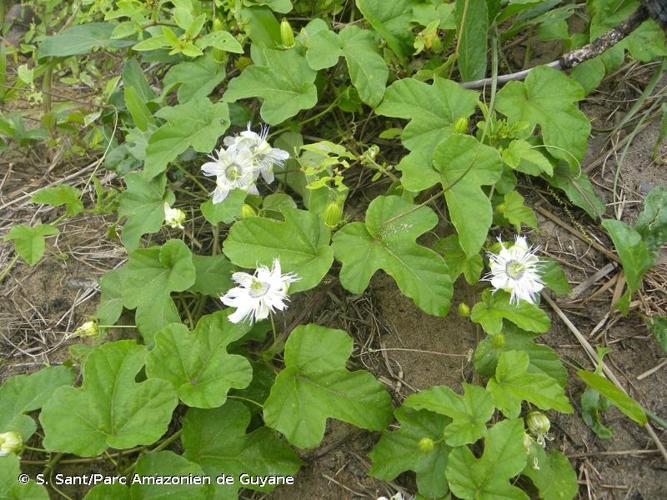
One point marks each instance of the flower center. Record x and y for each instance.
(233, 172)
(258, 288)
(515, 269)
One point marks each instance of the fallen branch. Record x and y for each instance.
(578, 56)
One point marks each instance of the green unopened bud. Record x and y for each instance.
(173, 217)
(10, 442)
(88, 329)
(426, 445)
(461, 125)
(217, 25)
(498, 340)
(501, 208)
(538, 423)
(247, 211)
(219, 55)
(464, 310)
(332, 214)
(286, 34)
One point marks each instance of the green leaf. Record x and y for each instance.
(213, 275)
(555, 478)
(592, 406)
(554, 277)
(111, 297)
(462, 165)
(495, 307)
(399, 451)
(516, 212)
(217, 441)
(524, 157)
(25, 393)
(197, 364)
(652, 222)
(142, 203)
(469, 413)
(513, 384)
(226, 211)
(262, 27)
(632, 251)
(11, 488)
(392, 21)
(110, 410)
(367, 68)
(80, 39)
(548, 98)
(628, 406)
(542, 359)
(472, 17)
(284, 82)
(149, 277)
(457, 261)
(197, 124)
(658, 326)
(315, 385)
(141, 115)
(221, 40)
(387, 241)
(133, 76)
(196, 79)
(487, 477)
(432, 111)
(29, 241)
(301, 243)
(579, 190)
(61, 195)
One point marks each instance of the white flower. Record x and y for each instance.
(259, 293)
(173, 217)
(515, 270)
(10, 442)
(264, 157)
(233, 169)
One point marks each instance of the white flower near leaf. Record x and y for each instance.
(264, 157)
(10, 442)
(516, 270)
(233, 169)
(259, 294)
(173, 217)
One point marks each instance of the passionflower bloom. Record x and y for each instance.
(10, 442)
(173, 217)
(258, 294)
(232, 169)
(516, 270)
(264, 157)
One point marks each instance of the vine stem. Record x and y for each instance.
(607, 371)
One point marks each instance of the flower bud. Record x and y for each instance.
(88, 329)
(498, 340)
(333, 214)
(286, 34)
(426, 445)
(173, 217)
(10, 442)
(247, 211)
(538, 423)
(464, 310)
(461, 125)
